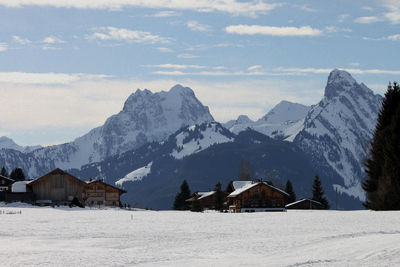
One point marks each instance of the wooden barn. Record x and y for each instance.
(206, 199)
(99, 193)
(256, 196)
(305, 204)
(58, 187)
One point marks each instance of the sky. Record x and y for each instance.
(67, 65)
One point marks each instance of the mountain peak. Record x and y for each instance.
(339, 81)
(243, 119)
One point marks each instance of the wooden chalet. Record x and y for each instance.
(305, 204)
(5, 184)
(206, 199)
(58, 187)
(251, 196)
(99, 193)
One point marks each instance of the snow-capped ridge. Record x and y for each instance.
(338, 82)
(8, 143)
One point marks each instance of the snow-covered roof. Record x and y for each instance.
(251, 185)
(6, 178)
(240, 184)
(19, 187)
(302, 200)
(205, 194)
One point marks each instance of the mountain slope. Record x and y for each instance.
(145, 117)
(336, 132)
(281, 122)
(8, 143)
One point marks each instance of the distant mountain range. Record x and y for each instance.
(159, 139)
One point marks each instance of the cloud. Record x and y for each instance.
(177, 66)
(165, 49)
(306, 8)
(3, 47)
(273, 31)
(393, 14)
(368, 20)
(120, 34)
(46, 78)
(187, 56)
(343, 17)
(394, 37)
(164, 14)
(337, 29)
(196, 26)
(52, 40)
(294, 71)
(251, 8)
(368, 8)
(254, 67)
(21, 40)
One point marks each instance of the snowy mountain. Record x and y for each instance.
(281, 122)
(152, 173)
(336, 132)
(145, 117)
(8, 143)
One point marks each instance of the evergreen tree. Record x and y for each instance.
(180, 199)
(196, 205)
(289, 189)
(318, 193)
(218, 197)
(382, 185)
(17, 174)
(4, 172)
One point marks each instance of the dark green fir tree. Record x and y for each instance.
(318, 193)
(289, 189)
(180, 202)
(382, 185)
(17, 174)
(196, 205)
(4, 172)
(218, 197)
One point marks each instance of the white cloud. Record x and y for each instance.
(197, 26)
(393, 14)
(167, 13)
(394, 37)
(187, 56)
(234, 7)
(254, 67)
(337, 29)
(354, 64)
(3, 47)
(165, 49)
(46, 78)
(367, 20)
(177, 66)
(120, 34)
(273, 31)
(368, 8)
(305, 8)
(21, 40)
(52, 40)
(293, 71)
(343, 17)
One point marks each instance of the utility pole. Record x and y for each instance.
(336, 199)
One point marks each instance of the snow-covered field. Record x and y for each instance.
(83, 237)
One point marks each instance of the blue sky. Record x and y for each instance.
(66, 65)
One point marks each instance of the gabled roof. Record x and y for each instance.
(205, 194)
(99, 181)
(303, 200)
(7, 178)
(55, 171)
(253, 184)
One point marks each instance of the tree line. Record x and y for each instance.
(17, 174)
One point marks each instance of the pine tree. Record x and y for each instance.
(218, 197)
(382, 185)
(289, 189)
(318, 193)
(17, 174)
(196, 205)
(4, 172)
(180, 199)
